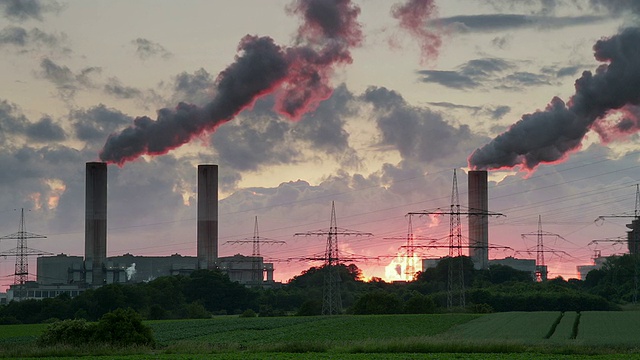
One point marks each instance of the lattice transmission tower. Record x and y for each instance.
(257, 272)
(22, 252)
(541, 267)
(331, 296)
(455, 281)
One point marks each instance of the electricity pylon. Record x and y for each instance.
(633, 240)
(21, 252)
(331, 297)
(257, 275)
(541, 267)
(455, 242)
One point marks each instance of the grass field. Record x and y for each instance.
(515, 335)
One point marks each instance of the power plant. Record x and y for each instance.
(72, 274)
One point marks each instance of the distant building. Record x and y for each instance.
(598, 262)
(65, 274)
(527, 265)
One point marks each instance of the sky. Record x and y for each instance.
(368, 104)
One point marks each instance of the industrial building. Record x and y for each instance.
(526, 265)
(73, 274)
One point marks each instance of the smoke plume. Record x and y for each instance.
(298, 75)
(552, 134)
(413, 16)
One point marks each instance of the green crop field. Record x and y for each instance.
(12, 334)
(610, 328)
(515, 335)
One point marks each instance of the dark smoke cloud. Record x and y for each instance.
(414, 16)
(550, 135)
(619, 125)
(299, 76)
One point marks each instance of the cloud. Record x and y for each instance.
(470, 75)
(261, 137)
(325, 130)
(419, 134)
(14, 124)
(505, 22)
(22, 10)
(254, 142)
(95, 124)
(66, 81)
(497, 74)
(114, 88)
(146, 49)
(494, 112)
(196, 88)
(22, 38)
(45, 131)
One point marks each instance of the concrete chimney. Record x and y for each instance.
(95, 225)
(478, 222)
(207, 216)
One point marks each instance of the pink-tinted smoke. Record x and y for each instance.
(550, 135)
(299, 76)
(414, 16)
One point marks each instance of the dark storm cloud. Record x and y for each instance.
(45, 130)
(470, 75)
(505, 22)
(95, 124)
(27, 9)
(146, 49)
(66, 81)
(114, 88)
(419, 134)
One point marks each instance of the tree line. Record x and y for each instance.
(205, 293)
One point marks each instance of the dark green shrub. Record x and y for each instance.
(68, 332)
(249, 313)
(419, 304)
(377, 302)
(310, 308)
(480, 308)
(123, 327)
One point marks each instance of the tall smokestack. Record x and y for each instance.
(478, 223)
(207, 216)
(95, 225)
